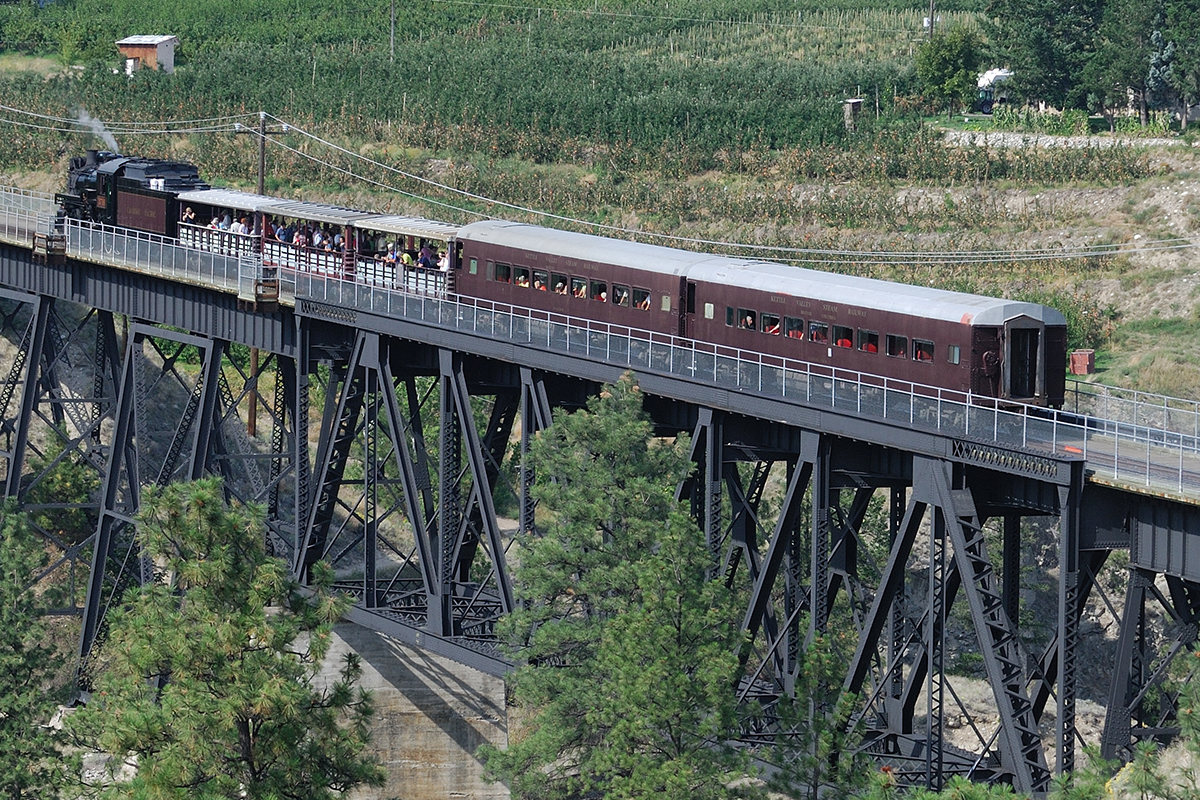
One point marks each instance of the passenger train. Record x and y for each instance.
(995, 348)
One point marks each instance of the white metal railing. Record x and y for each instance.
(1134, 407)
(1122, 451)
(155, 255)
(215, 240)
(24, 213)
(1125, 436)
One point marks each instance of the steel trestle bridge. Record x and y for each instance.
(371, 454)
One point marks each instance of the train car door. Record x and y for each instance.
(687, 305)
(1024, 364)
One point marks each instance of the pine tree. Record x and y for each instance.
(631, 649)
(208, 678)
(30, 760)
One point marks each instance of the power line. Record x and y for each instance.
(821, 255)
(803, 255)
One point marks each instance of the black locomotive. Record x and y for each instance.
(131, 192)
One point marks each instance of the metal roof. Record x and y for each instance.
(229, 198)
(900, 298)
(148, 39)
(316, 212)
(409, 226)
(584, 246)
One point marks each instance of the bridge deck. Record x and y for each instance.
(1144, 443)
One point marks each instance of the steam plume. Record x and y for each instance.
(98, 128)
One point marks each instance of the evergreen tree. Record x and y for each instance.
(1183, 31)
(816, 750)
(1048, 44)
(208, 677)
(631, 648)
(1121, 64)
(30, 761)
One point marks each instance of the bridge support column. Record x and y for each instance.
(194, 448)
(535, 416)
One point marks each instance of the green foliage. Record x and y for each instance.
(209, 678)
(1072, 122)
(1048, 45)
(816, 751)
(631, 649)
(948, 66)
(31, 763)
(62, 486)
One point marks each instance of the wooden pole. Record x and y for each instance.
(252, 413)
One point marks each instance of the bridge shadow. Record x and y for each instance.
(431, 714)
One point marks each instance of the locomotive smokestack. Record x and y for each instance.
(92, 158)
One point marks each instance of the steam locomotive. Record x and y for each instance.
(140, 193)
(985, 346)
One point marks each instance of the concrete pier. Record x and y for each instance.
(431, 714)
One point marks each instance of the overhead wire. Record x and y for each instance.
(126, 125)
(803, 255)
(822, 255)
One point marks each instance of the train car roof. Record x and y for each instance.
(228, 198)
(585, 247)
(830, 287)
(409, 226)
(900, 298)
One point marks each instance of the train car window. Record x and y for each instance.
(818, 332)
(952, 353)
(598, 290)
(560, 283)
(666, 302)
(747, 319)
(521, 277)
(770, 323)
(922, 350)
(641, 299)
(896, 346)
(578, 287)
(868, 341)
(691, 298)
(541, 281)
(621, 295)
(793, 328)
(708, 310)
(730, 316)
(474, 266)
(843, 336)
(503, 273)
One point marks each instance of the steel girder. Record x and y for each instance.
(1145, 697)
(164, 370)
(422, 560)
(51, 415)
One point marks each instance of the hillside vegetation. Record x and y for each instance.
(715, 121)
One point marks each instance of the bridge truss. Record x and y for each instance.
(388, 444)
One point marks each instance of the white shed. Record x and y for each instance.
(156, 52)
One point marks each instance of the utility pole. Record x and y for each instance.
(393, 39)
(252, 413)
(931, 20)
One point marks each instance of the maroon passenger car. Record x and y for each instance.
(963, 342)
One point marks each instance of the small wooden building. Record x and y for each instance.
(155, 52)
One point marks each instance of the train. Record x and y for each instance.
(1006, 350)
